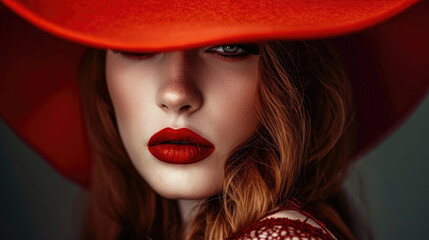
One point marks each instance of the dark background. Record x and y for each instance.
(390, 185)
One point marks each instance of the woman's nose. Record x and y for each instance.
(179, 92)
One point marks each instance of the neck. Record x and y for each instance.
(188, 209)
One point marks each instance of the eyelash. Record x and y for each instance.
(247, 49)
(133, 55)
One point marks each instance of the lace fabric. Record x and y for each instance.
(283, 228)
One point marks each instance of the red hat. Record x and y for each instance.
(386, 57)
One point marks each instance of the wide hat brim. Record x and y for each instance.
(388, 63)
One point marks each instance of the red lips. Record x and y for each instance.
(181, 146)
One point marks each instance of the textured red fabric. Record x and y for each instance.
(281, 229)
(284, 228)
(162, 25)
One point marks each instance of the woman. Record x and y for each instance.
(247, 129)
(223, 93)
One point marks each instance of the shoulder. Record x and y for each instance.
(284, 224)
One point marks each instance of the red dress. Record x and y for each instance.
(283, 228)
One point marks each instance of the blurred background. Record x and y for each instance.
(389, 184)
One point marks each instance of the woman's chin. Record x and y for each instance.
(182, 181)
(198, 190)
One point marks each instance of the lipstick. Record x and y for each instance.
(180, 146)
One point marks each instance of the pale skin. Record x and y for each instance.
(196, 89)
(199, 89)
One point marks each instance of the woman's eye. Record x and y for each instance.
(234, 50)
(134, 55)
(229, 49)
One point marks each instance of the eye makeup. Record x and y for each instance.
(134, 55)
(234, 51)
(227, 52)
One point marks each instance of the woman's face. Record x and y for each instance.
(210, 92)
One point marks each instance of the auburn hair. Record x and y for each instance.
(301, 149)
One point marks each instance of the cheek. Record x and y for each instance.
(237, 112)
(123, 86)
(129, 89)
(234, 105)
